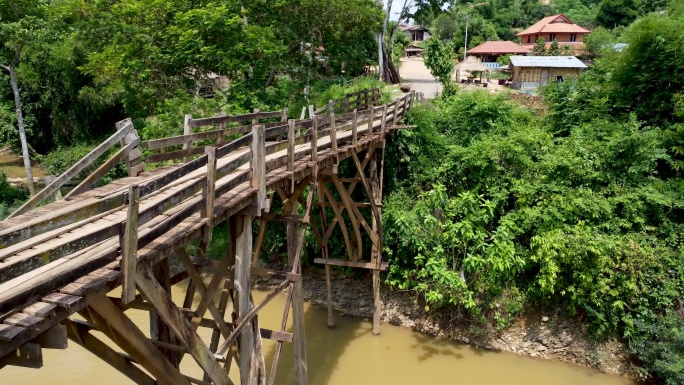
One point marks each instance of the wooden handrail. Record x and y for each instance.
(73, 170)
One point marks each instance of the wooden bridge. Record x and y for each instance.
(100, 251)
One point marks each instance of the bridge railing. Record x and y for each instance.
(359, 100)
(181, 147)
(80, 229)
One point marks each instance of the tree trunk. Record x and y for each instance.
(22, 131)
(381, 64)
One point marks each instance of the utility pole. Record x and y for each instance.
(465, 45)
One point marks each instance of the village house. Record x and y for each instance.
(416, 33)
(530, 72)
(489, 51)
(558, 28)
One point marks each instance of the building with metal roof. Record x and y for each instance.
(530, 72)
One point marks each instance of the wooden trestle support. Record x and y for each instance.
(173, 330)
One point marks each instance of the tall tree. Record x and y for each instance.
(20, 26)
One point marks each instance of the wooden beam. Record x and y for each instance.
(110, 320)
(29, 355)
(129, 246)
(103, 169)
(171, 314)
(259, 165)
(73, 170)
(340, 262)
(53, 338)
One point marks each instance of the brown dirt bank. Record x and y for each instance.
(553, 336)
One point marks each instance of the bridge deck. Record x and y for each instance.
(49, 274)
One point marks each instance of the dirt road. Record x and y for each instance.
(414, 71)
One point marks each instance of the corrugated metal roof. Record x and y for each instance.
(547, 61)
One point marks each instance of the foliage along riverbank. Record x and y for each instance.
(496, 208)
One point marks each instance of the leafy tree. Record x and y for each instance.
(612, 13)
(539, 48)
(598, 40)
(20, 26)
(554, 49)
(439, 59)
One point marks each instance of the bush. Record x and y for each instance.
(660, 347)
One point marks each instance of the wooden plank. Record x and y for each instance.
(341, 262)
(187, 130)
(129, 246)
(354, 129)
(63, 300)
(21, 319)
(208, 196)
(103, 169)
(40, 309)
(178, 154)
(73, 171)
(8, 332)
(80, 333)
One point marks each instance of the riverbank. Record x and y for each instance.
(552, 336)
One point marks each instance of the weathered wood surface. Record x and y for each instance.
(81, 237)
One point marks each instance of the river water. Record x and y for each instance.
(13, 165)
(348, 354)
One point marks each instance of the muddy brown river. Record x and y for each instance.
(348, 354)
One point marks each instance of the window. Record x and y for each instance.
(529, 39)
(573, 37)
(559, 79)
(552, 37)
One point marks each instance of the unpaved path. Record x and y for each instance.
(414, 71)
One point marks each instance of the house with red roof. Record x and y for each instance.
(556, 27)
(489, 51)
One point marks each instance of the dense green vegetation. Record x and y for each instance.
(502, 19)
(576, 202)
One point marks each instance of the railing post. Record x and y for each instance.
(396, 111)
(129, 245)
(290, 145)
(354, 129)
(187, 131)
(303, 115)
(222, 129)
(259, 165)
(333, 129)
(383, 121)
(209, 195)
(314, 140)
(283, 117)
(256, 118)
(311, 111)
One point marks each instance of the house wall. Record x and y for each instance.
(529, 78)
(560, 37)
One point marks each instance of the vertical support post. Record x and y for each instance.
(222, 130)
(383, 121)
(311, 111)
(129, 245)
(187, 131)
(314, 140)
(354, 129)
(283, 117)
(259, 165)
(209, 195)
(256, 118)
(376, 254)
(326, 255)
(303, 115)
(333, 130)
(159, 330)
(301, 376)
(396, 111)
(291, 150)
